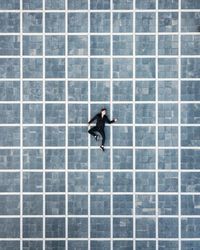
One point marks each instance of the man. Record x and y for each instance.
(100, 124)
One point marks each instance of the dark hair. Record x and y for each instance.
(103, 109)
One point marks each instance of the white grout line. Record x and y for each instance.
(179, 126)
(133, 131)
(156, 134)
(21, 127)
(66, 127)
(111, 127)
(43, 124)
(89, 137)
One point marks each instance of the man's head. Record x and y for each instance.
(103, 111)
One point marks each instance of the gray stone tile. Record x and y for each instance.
(145, 182)
(168, 90)
(168, 21)
(122, 227)
(78, 228)
(145, 68)
(145, 4)
(145, 244)
(122, 204)
(122, 182)
(190, 158)
(78, 45)
(55, 159)
(145, 113)
(77, 159)
(190, 204)
(32, 90)
(54, 22)
(100, 4)
(100, 205)
(168, 159)
(55, 68)
(55, 45)
(9, 67)
(32, 159)
(77, 182)
(32, 5)
(55, 205)
(77, 91)
(145, 45)
(10, 22)
(77, 22)
(9, 228)
(32, 244)
(32, 113)
(77, 68)
(9, 205)
(169, 245)
(167, 67)
(55, 4)
(190, 21)
(168, 204)
(32, 182)
(168, 45)
(100, 182)
(145, 91)
(190, 136)
(168, 113)
(10, 90)
(78, 5)
(9, 5)
(54, 113)
(145, 22)
(122, 45)
(145, 136)
(55, 227)
(99, 22)
(122, 4)
(32, 136)
(32, 205)
(145, 228)
(32, 67)
(9, 159)
(123, 113)
(55, 91)
(99, 68)
(100, 228)
(145, 159)
(57, 244)
(168, 4)
(78, 204)
(122, 22)
(32, 22)
(122, 158)
(10, 45)
(145, 204)
(55, 182)
(10, 113)
(9, 136)
(168, 227)
(32, 45)
(167, 136)
(122, 68)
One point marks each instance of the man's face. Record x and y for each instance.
(103, 112)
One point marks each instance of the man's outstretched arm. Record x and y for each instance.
(110, 121)
(94, 118)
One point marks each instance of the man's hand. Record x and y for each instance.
(115, 119)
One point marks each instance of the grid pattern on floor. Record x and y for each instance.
(60, 63)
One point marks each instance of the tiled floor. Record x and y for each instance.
(60, 63)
